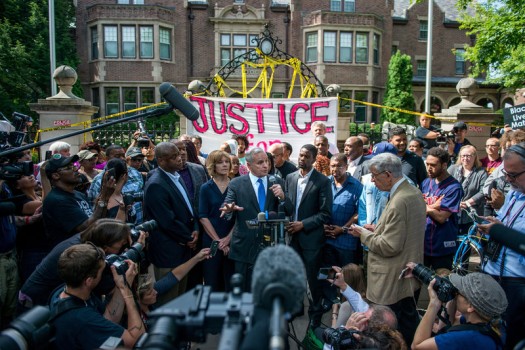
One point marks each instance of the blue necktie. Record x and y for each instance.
(261, 194)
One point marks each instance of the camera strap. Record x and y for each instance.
(482, 328)
(64, 305)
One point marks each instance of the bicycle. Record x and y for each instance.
(469, 255)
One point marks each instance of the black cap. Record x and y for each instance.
(58, 161)
(460, 126)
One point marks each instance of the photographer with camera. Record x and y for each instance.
(505, 265)
(111, 235)
(79, 316)
(479, 299)
(459, 140)
(427, 133)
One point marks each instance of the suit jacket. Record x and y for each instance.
(199, 178)
(245, 242)
(164, 203)
(361, 168)
(398, 239)
(315, 208)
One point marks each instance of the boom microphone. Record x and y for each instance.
(513, 239)
(177, 101)
(279, 285)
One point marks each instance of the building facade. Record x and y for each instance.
(128, 47)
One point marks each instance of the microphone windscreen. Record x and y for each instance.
(511, 238)
(272, 179)
(261, 216)
(280, 265)
(272, 215)
(176, 100)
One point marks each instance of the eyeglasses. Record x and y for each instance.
(512, 176)
(376, 175)
(137, 159)
(467, 155)
(100, 256)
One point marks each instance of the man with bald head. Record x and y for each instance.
(167, 202)
(354, 151)
(285, 167)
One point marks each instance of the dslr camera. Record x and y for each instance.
(143, 140)
(147, 226)
(444, 136)
(134, 253)
(444, 288)
(340, 338)
(130, 198)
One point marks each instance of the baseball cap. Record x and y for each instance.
(384, 147)
(482, 291)
(58, 161)
(85, 154)
(460, 126)
(134, 152)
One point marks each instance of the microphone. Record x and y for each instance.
(511, 238)
(177, 101)
(272, 180)
(279, 285)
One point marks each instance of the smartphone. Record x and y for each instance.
(48, 155)
(326, 273)
(111, 172)
(213, 248)
(478, 220)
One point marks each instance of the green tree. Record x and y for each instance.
(499, 28)
(399, 90)
(24, 50)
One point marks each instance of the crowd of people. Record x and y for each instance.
(371, 214)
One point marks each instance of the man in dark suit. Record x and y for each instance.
(248, 196)
(167, 202)
(357, 163)
(193, 177)
(311, 197)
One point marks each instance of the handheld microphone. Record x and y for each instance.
(511, 238)
(279, 285)
(177, 101)
(272, 180)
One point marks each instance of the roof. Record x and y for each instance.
(447, 6)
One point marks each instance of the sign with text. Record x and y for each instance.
(514, 116)
(265, 121)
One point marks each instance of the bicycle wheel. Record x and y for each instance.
(468, 257)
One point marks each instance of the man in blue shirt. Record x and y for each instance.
(443, 194)
(508, 266)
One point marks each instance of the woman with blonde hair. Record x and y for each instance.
(472, 176)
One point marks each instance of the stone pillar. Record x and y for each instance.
(63, 109)
(470, 113)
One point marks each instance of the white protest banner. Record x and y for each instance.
(264, 121)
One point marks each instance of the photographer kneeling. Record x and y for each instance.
(78, 315)
(479, 299)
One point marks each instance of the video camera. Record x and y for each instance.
(341, 338)
(134, 253)
(147, 226)
(444, 136)
(12, 136)
(444, 288)
(198, 312)
(29, 331)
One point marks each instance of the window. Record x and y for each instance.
(375, 110)
(130, 98)
(94, 43)
(376, 49)
(128, 42)
(95, 100)
(394, 49)
(233, 45)
(421, 68)
(112, 100)
(329, 47)
(345, 49)
(342, 6)
(361, 48)
(146, 42)
(360, 109)
(423, 30)
(110, 42)
(460, 61)
(147, 96)
(311, 47)
(165, 44)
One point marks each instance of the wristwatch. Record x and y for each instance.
(345, 229)
(102, 204)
